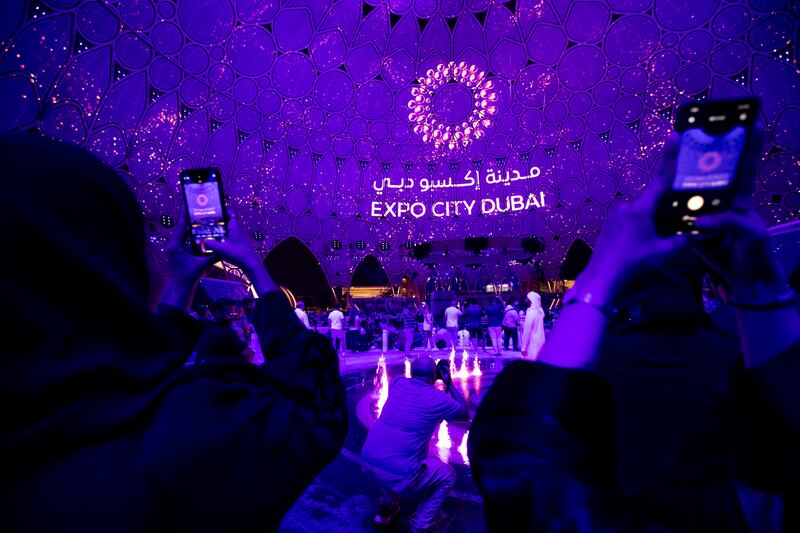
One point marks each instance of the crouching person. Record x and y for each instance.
(396, 449)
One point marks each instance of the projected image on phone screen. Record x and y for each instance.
(205, 209)
(707, 161)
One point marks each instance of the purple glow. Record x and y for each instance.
(305, 106)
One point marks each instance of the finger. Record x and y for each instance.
(727, 222)
(670, 246)
(749, 166)
(178, 237)
(217, 247)
(663, 176)
(233, 222)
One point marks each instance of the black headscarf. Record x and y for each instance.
(82, 351)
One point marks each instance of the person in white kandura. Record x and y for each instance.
(533, 333)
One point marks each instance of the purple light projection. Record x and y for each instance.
(463, 100)
(304, 105)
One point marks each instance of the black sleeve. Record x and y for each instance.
(184, 330)
(541, 450)
(768, 399)
(235, 445)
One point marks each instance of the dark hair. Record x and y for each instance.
(221, 304)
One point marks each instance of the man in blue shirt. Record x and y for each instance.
(397, 445)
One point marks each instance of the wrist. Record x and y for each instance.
(260, 278)
(603, 286)
(763, 298)
(757, 290)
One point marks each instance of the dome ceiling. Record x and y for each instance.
(310, 106)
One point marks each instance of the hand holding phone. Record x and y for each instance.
(715, 136)
(205, 209)
(443, 371)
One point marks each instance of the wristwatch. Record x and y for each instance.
(577, 296)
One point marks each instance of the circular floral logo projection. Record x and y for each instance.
(452, 105)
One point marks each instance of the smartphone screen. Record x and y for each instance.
(715, 135)
(202, 191)
(709, 161)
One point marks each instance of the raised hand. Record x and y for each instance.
(238, 250)
(185, 268)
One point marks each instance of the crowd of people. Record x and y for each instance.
(123, 411)
(491, 327)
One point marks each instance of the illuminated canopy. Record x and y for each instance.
(315, 110)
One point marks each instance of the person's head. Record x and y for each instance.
(248, 304)
(86, 284)
(535, 299)
(71, 210)
(301, 305)
(336, 307)
(423, 368)
(218, 340)
(224, 310)
(453, 303)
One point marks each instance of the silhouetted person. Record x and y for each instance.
(472, 322)
(510, 324)
(638, 415)
(533, 330)
(336, 319)
(409, 318)
(451, 316)
(300, 311)
(495, 314)
(103, 429)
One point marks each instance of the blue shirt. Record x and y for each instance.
(399, 440)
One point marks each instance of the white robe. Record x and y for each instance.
(533, 332)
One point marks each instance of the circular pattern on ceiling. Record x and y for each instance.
(308, 103)
(464, 102)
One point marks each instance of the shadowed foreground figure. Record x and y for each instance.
(103, 429)
(645, 420)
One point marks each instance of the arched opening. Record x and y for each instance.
(293, 266)
(369, 273)
(369, 279)
(576, 260)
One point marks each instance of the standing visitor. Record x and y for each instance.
(427, 326)
(533, 332)
(336, 319)
(409, 327)
(510, 322)
(495, 314)
(300, 311)
(472, 320)
(451, 315)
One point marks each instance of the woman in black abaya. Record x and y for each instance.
(102, 427)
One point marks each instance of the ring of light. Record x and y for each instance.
(442, 135)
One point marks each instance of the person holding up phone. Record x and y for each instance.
(545, 445)
(104, 429)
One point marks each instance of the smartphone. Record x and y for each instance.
(714, 138)
(205, 209)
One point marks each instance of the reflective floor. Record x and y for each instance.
(342, 498)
